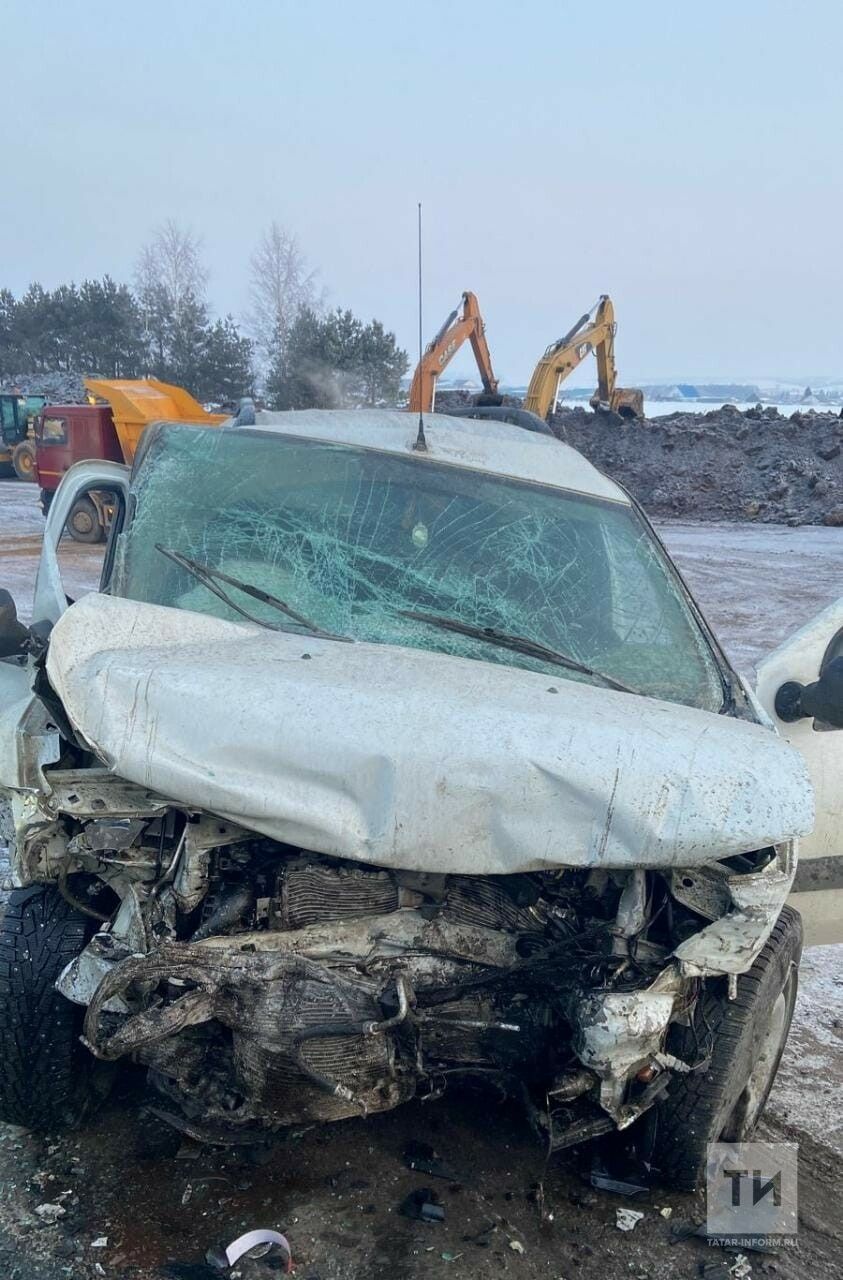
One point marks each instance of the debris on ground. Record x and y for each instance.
(423, 1205)
(626, 1219)
(259, 1243)
(741, 1270)
(715, 1270)
(50, 1212)
(619, 1173)
(422, 1158)
(682, 1230)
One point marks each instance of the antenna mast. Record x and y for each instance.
(420, 445)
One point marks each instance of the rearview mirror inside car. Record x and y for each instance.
(823, 699)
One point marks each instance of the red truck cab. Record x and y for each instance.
(68, 433)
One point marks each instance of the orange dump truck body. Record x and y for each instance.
(135, 403)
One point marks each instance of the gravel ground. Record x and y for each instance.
(159, 1204)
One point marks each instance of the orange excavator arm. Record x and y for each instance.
(592, 332)
(465, 322)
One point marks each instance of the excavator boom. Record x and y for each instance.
(465, 322)
(595, 334)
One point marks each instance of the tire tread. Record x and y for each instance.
(42, 1064)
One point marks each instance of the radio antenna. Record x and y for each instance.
(421, 443)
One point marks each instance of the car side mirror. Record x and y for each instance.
(14, 636)
(823, 699)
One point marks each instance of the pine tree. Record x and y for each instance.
(225, 371)
(332, 361)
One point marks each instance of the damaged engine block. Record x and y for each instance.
(264, 985)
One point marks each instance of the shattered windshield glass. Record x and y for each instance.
(353, 538)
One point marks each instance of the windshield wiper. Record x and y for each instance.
(518, 644)
(211, 577)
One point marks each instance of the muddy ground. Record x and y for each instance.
(159, 1203)
(757, 465)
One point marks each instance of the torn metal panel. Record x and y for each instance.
(415, 760)
(619, 1031)
(732, 943)
(703, 889)
(80, 978)
(38, 840)
(632, 906)
(190, 879)
(29, 741)
(89, 793)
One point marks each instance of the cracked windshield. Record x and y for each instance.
(351, 539)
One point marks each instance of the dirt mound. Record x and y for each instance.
(726, 465)
(721, 465)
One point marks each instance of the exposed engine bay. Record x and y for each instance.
(263, 985)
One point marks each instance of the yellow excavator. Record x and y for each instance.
(595, 331)
(464, 322)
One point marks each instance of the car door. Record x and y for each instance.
(818, 888)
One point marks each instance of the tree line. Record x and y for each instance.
(290, 348)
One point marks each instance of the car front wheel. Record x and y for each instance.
(44, 1070)
(723, 1101)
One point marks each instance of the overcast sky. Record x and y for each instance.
(683, 157)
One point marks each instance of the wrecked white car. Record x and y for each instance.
(389, 757)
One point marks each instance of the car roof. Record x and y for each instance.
(499, 448)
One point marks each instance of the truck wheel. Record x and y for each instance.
(83, 523)
(724, 1102)
(44, 1070)
(23, 460)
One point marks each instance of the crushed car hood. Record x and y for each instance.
(415, 760)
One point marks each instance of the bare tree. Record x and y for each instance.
(171, 264)
(281, 286)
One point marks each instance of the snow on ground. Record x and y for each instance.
(21, 530)
(660, 408)
(808, 1088)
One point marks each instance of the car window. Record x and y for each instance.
(53, 430)
(352, 537)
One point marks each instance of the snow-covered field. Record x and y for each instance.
(659, 408)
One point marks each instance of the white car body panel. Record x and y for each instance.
(819, 883)
(411, 759)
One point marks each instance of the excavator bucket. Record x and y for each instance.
(137, 402)
(628, 402)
